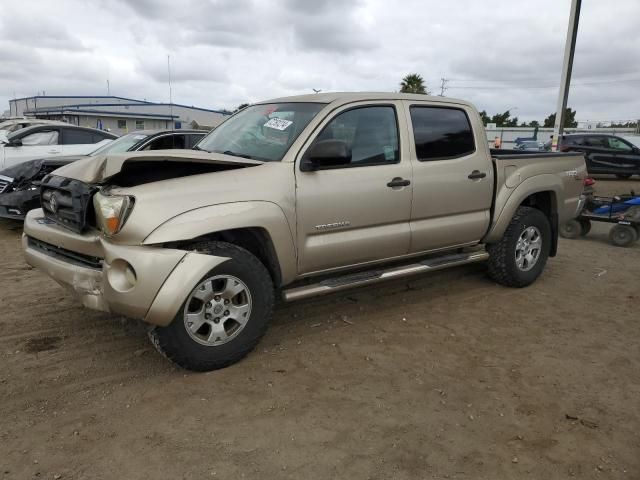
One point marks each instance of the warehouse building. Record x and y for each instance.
(116, 114)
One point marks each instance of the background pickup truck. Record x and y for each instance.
(302, 196)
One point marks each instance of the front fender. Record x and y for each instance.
(508, 201)
(228, 216)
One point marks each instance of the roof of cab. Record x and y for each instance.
(347, 97)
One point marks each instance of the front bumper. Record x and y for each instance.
(11, 213)
(99, 272)
(16, 204)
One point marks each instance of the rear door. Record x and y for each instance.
(359, 212)
(452, 176)
(600, 158)
(37, 143)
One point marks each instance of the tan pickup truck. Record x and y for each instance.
(302, 196)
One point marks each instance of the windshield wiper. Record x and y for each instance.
(234, 154)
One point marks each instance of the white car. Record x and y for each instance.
(49, 140)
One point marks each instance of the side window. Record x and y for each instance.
(371, 134)
(76, 137)
(618, 144)
(595, 141)
(96, 137)
(441, 133)
(193, 140)
(166, 142)
(46, 137)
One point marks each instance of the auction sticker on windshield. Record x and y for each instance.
(278, 124)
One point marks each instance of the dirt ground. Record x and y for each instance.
(442, 376)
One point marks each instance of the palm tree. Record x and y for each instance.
(413, 83)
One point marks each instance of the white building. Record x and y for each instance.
(116, 114)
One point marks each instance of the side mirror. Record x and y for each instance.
(326, 153)
(15, 143)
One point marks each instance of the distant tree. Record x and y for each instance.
(484, 117)
(624, 125)
(413, 83)
(569, 119)
(504, 120)
(534, 123)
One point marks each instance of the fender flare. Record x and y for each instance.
(532, 185)
(230, 216)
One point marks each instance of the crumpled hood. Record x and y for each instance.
(29, 169)
(102, 167)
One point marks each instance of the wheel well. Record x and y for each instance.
(546, 203)
(256, 240)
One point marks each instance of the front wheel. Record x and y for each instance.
(518, 259)
(224, 316)
(571, 229)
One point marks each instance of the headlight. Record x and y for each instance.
(111, 211)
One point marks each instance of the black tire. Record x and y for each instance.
(571, 229)
(175, 343)
(623, 176)
(585, 226)
(623, 235)
(502, 255)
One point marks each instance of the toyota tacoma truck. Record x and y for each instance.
(300, 196)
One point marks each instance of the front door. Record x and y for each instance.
(452, 176)
(626, 159)
(357, 212)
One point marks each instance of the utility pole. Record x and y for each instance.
(443, 87)
(173, 123)
(567, 66)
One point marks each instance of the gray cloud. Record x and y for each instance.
(497, 53)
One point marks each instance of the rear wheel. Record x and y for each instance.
(520, 256)
(571, 229)
(224, 316)
(623, 235)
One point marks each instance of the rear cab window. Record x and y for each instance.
(441, 133)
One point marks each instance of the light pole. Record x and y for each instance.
(567, 66)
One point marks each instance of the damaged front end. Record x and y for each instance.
(20, 187)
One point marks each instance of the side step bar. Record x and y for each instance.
(375, 276)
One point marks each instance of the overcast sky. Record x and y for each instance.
(498, 54)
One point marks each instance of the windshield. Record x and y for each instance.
(261, 132)
(635, 139)
(120, 145)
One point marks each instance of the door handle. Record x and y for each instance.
(477, 174)
(398, 182)
(53, 151)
